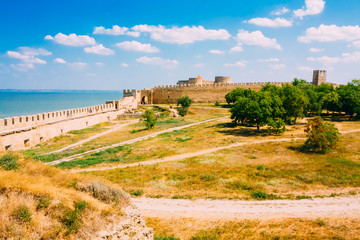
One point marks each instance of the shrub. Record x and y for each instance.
(9, 162)
(182, 111)
(149, 118)
(166, 238)
(322, 136)
(184, 101)
(217, 103)
(136, 193)
(276, 127)
(22, 214)
(72, 218)
(44, 202)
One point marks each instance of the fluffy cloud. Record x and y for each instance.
(269, 60)
(124, 65)
(313, 7)
(215, 51)
(236, 49)
(182, 35)
(27, 57)
(72, 39)
(59, 60)
(237, 64)
(115, 31)
(316, 50)
(277, 66)
(167, 63)
(99, 49)
(78, 65)
(256, 38)
(35, 51)
(345, 58)
(331, 33)
(305, 69)
(267, 22)
(280, 11)
(137, 47)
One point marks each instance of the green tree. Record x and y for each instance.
(331, 102)
(233, 96)
(185, 103)
(294, 103)
(149, 118)
(350, 98)
(322, 136)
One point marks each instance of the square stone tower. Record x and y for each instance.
(319, 77)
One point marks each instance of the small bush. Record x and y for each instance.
(182, 111)
(44, 202)
(217, 103)
(134, 131)
(276, 127)
(166, 238)
(9, 162)
(105, 193)
(322, 136)
(22, 214)
(72, 218)
(149, 118)
(263, 195)
(136, 193)
(184, 101)
(299, 197)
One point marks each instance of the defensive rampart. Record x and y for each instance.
(204, 93)
(27, 131)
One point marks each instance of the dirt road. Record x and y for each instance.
(229, 209)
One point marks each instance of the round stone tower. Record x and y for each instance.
(196, 81)
(223, 80)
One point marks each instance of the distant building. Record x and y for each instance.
(319, 77)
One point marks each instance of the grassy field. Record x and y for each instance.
(292, 228)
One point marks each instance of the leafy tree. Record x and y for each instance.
(233, 96)
(322, 136)
(184, 101)
(150, 119)
(294, 102)
(331, 102)
(350, 98)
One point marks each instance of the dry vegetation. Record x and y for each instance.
(38, 201)
(292, 228)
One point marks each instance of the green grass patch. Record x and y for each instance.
(9, 162)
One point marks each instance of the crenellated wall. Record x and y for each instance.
(27, 131)
(204, 93)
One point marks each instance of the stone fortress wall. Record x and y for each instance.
(199, 90)
(27, 131)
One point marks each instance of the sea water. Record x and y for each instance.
(22, 103)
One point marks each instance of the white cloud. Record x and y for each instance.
(277, 66)
(34, 51)
(137, 47)
(115, 31)
(26, 56)
(100, 64)
(331, 33)
(325, 60)
(256, 38)
(269, 60)
(267, 22)
(215, 51)
(167, 63)
(356, 44)
(236, 49)
(124, 65)
(305, 69)
(237, 64)
(182, 35)
(199, 65)
(316, 50)
(99, 49)
(59, 60)
(72, 39)
(313, 7)
(78, 65)
(280, 11)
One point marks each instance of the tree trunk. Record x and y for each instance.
(258, 127)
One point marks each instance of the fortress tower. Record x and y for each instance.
(319, 77)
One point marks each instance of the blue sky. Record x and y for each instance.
(101, 45)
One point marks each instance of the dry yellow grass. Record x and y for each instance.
(320, 228)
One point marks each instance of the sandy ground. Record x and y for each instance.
(231, 209)
(112, 129)
(130, 141)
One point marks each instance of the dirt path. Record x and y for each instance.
(130, 141)
(185, 155)
(229, 209)
(113, 129)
